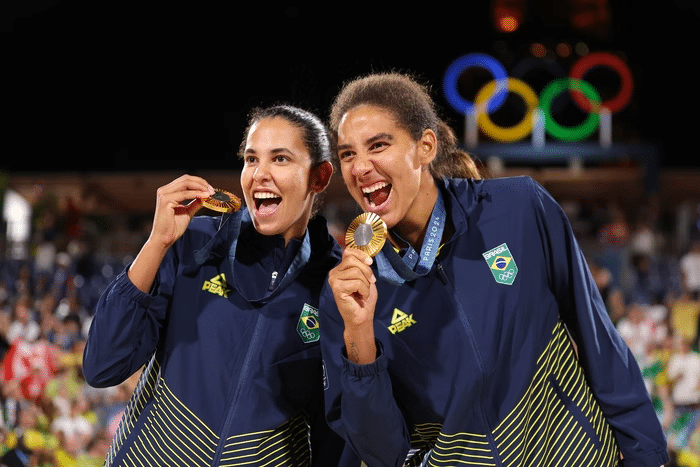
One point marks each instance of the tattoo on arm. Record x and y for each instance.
(354, 353)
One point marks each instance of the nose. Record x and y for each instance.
(361, 165)
(262, 172)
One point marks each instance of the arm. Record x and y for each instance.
(123, 334)
(355, 291)
(170, 222)
(359, 399)
(611, 370)
(126, 324)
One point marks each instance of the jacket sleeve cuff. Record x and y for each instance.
(654, 459)
(356, 371)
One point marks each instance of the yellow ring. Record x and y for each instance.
(514, 133)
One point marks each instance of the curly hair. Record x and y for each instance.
(414, 110)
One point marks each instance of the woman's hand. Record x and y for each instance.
(169, 223)
(172, 217)
(355, 292)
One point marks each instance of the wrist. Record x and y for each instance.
(158, 244)
(360, 344)
(144, 268)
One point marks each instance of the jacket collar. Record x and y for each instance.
(461, 197)
(229, 234)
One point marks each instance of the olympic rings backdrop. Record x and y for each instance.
(492, 95)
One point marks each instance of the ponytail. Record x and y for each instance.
(451, 161)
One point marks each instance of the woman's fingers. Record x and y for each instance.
(172, 216)
(352, 278)
(185, 188)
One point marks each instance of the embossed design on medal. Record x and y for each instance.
(366, 232)
(222, 201)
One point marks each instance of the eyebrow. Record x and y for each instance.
(369, 140)
(274, 151)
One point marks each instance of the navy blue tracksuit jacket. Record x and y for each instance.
(232, 362)
(476, 364)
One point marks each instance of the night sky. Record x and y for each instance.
(125, 86)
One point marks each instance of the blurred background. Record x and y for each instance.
(104, 103)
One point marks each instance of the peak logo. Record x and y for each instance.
(400, 321)
(217, 285)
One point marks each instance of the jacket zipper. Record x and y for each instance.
(273, 279)
(242, 379)
(441, 273)
(482, 369)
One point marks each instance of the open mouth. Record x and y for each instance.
(266, 202)
(377, 194)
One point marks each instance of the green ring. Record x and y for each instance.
(564, 133)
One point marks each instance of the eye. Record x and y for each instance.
(249, 159)
(280, 159)
(344, 155)
(378, 145)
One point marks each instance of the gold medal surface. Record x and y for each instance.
(222, 201)
(366, 232)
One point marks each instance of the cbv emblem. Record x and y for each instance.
(502, 264)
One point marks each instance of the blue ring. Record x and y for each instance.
(457, 67)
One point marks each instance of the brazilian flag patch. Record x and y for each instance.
(308, 324)
(501, 264)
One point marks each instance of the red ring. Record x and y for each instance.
(589, 61)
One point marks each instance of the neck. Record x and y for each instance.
(413, 226)
(299, 228)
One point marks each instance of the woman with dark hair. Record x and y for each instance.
(223, 313)
(476, 336)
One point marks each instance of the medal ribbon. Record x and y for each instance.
(396, 269)
(299, 261)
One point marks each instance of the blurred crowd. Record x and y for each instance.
(49, 416)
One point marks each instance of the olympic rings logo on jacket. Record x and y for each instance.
(492, 95)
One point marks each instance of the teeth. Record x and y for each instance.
(264, 195)
(375, 187)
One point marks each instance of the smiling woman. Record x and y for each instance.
(281, 175)
(453, 345)
(223, 313)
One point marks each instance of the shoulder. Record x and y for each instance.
(513, 191)
(513, 185)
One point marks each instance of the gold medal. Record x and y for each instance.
(366, 232)
(222, 201)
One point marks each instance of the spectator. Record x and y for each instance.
(11, 404)
(640, 331)
(648, 284)
(66, 333)
(684, 376)
(74, 428)
(4, 327)
(690, 269)
(616, 232)
(22, 324)
(644, 238)
(95, 451)
(685, 312)
(612, 295)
